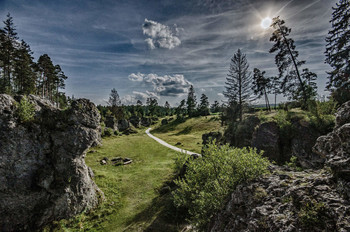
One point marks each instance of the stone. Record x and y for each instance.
(266, 137)
(103, 162)
(43, 174)
(146, 122)
(343, 114)
(135, 121)
(110, 122)
(123, 125)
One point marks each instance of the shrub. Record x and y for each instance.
(25, 110)
(209, 180)
(108, 131)
(321, 115)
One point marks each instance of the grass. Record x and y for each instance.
(133, 199)
(188, 134)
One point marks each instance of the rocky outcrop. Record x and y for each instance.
(146, 122)
(43, 174)
(111, 123)
(135, 121)
(123, 124)
(280, 147)
(285, 201)
(335, 147)
(266, 137)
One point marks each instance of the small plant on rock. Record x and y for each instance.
(25, 110)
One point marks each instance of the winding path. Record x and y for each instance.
(168, 145)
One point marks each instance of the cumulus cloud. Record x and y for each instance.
(166, 85)
(161, 36)
(132, 99)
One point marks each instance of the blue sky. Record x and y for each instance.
(158, 48)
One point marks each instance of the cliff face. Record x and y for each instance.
(43, 174)
(286, 200)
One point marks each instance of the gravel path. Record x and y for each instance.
(168, 145)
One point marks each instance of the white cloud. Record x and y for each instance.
(161, 36)
(166, 85)
(132, 99)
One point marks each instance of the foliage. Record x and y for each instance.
(191, 102)
(203, 108)
(261, 84)
(239, 82)
(210, 179)
(21, 75)
(321, 115)
(293, 163)
(311, 214)
(25, 110)
(294, 84)
(338, 52)
(107, 132)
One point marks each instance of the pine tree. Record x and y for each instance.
(292, 82)
(203, 107)
(338, 52)
(191, 102)
(114, 99)
(261, 84)
(167, 108)
(8, 49)
(23, 74)
(239, 82)
(215, 107)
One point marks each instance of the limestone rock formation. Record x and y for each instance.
(286, 200)
(123, 125)
(135, 121)
(111, 123)
(266, 137)
(335, 147)
(43, 174)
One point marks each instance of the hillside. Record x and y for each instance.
(188, 134)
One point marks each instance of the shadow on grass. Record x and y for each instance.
(168, 217)
(168, 127)
(185, 131)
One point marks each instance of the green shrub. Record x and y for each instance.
(209, 180)
(321, 115)
(311, 214)
(25, 110)
(108, 132)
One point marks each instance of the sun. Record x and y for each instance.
(266, 22)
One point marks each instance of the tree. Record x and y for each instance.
(275, 88)
(23, 73)
(8, 48)
(292, 82)
(191, 102)
(167, 108)
(215, 107)
(261, 84)
(338, 52)
(180, 110)
(152, 104)
(239, 82)
(114, 99)
(204, 105)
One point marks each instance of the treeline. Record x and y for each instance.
(20, 74)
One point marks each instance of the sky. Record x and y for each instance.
(158, 48)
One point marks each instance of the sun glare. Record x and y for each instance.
(266, 22)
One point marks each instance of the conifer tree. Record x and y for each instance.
(261, 84)
(292, 82)
(191, 102)
(239, 83)
(338, 52)
(203, 107)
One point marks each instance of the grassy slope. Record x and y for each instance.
(188, 133)
(133, 200)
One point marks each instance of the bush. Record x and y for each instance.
(209, 180)
(25, 110)
(321, 115)
(108, 132)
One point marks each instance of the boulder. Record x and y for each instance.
(135, 121)
(266, 137)
(43, 174)
(123, 124)
(110, 122)
(146, 122)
